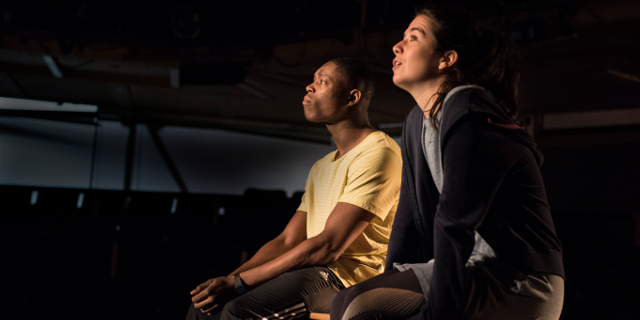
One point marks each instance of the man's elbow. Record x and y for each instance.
(329, 251)
(333, 255)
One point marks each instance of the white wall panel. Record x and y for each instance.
(48, 153)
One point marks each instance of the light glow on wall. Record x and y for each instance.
(40, 105)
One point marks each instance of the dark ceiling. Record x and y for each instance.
(243, 65)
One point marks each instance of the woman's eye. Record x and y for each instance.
(413, 38)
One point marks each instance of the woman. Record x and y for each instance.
(473, 237)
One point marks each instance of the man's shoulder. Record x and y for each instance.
(380, 144)
(380, 151)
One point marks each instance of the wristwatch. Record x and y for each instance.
(239, 284)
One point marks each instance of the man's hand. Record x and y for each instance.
(213, 294)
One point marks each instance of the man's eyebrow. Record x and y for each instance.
(323, 75)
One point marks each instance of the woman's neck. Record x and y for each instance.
(425, 94)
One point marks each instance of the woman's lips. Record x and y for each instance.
(396, 64)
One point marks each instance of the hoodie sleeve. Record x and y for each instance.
(475, 162)
(404, 233)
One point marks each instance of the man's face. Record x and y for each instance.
(327, 97)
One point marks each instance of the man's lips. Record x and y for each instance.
(306, 100)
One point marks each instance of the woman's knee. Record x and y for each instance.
(343, 299)
(344, 296)
(340, 296)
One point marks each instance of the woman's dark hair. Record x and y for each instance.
(486, 57)
(358, 74)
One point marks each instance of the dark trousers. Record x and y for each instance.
(288, 296)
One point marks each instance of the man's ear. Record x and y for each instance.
(448, 59)
(354, 97)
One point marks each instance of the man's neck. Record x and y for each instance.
(348, 134)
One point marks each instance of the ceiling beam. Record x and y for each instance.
(107, 77)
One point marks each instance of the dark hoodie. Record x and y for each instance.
(492, 185)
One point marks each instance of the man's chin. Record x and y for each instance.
(311, 117)
(313, 120)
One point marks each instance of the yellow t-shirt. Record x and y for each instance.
(368, 176)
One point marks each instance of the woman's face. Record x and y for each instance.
(417, 60)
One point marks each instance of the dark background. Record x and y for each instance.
(188, 81)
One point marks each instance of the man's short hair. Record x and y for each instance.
(357, 73)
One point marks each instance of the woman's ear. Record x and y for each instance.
(354, 97)
(448, 59)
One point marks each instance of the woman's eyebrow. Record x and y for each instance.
(415, 29)
(418, 29)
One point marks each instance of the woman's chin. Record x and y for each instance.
(398, 81)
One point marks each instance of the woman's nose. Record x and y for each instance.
(397, 48)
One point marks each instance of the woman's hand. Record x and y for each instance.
(211, 296)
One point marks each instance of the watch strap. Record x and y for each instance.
(240, 288)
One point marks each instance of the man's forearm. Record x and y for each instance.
(268, 252)
(309, 253)
(343, 226)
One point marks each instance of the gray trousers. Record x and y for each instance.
(540, 296)
(398, 295)
(288, 296)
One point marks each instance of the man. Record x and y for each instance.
(339, 234)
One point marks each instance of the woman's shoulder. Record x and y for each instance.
(414, 117)
(465, 100)
(464, 92)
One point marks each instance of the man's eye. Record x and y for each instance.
(323, 82)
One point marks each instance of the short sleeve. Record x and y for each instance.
(373, 181)
(308, 188)
(303, 204)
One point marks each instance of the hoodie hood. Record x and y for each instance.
(474, 99)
